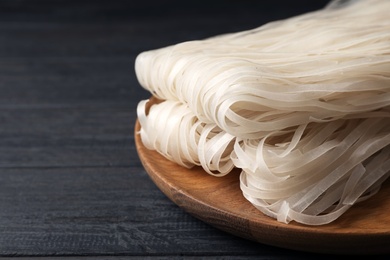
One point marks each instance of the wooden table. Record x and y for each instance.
(71, 182)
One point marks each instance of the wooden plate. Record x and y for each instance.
(364, 229)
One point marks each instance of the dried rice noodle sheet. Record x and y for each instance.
(318, 171)
(323, 65)
(171, 129)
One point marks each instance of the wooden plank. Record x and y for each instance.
(165, 257)
(59, 81)
(55, 137)
(119, 10)
(122, 28)
(102, 211)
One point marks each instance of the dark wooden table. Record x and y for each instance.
(71, 182)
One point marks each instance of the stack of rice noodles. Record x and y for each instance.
(300, 105)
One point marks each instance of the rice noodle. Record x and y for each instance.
(301, 105)
(309, 180)
(174, 131)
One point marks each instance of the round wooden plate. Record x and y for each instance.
(364, 229)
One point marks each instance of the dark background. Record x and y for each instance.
(71, 183)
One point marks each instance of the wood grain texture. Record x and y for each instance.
(67, 137)
(364, 229)
(101, 211)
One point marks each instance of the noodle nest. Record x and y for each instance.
(300, 105)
